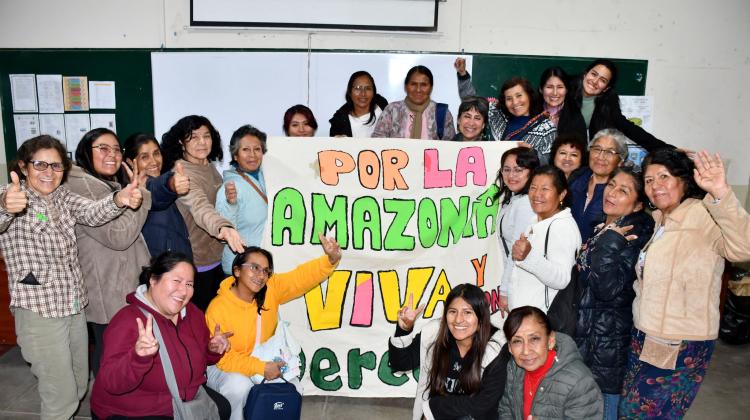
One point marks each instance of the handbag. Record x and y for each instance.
(279, 347)
(277, 400)
(563, 311)
(201, 407)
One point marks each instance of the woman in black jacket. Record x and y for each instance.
(606, 272)
(599, 104)
(363, 106)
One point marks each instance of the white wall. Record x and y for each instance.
(698, 51)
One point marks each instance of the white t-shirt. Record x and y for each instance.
(360, 128)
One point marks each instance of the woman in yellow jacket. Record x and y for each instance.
(253, 287)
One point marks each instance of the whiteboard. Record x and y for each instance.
(236, 88)
(419, 15)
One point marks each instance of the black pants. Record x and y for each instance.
(206, 285)
(96, 357)
(225, 410)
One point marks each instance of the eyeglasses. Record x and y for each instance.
(607, 153)
(256, 269)
(512, 171)
(107, 149)
(363, 88)
(41, 166)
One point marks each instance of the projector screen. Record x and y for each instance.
(401, 15)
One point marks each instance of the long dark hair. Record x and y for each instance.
(84, 156)
(161, 264)
(172, 141)
(525, 158)
(471, 371)
(348, 95)
(241, 258)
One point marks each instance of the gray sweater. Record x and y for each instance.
(568, 390)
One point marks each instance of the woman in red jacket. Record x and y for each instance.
(131, 382)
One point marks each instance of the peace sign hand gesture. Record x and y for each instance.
(131, 195)
(408, 314)
(710, 175)
(219, 343)
(146, 345)
(15, 200)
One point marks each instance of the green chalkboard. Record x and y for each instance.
(490, 71)
(129, 69)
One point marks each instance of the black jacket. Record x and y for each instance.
(607, 114)
(164, 229)
(606, 270)
(340, 125)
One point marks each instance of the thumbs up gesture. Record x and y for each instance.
(521, 248)
(15, 200)
(180, 182)
(230, 190)
(130, 196)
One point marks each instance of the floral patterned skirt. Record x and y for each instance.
(651, 392)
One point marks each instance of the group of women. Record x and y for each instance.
(647, 312)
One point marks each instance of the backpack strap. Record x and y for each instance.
(546, 242)
(502, 240)
(440, 112)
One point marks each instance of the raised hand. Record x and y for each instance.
(408, 314)
(147, 344)
(710, 175)
(180, 181)
(521, 248)
(272, 370)
(131, 195)
(232, 238)
(219, 343)
(230, 190)
(133, 174)
(15, 199)
(331, 248)
(460, 66)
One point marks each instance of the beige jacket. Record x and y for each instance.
(201, 218)
(111, 255)
(677, 297)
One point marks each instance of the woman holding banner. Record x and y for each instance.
(249, 299)
(461, 357)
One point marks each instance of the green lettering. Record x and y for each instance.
(486, 208)
(427, 223)
(452, 220)
(331, 216)
(318, 375)
(355, 362)
(366, 217)
(288, 215)
(386, 375)
(403, 210)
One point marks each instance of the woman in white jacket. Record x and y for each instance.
(544, 255)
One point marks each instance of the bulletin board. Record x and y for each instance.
(129, 69)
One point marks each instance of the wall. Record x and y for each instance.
(698, 51)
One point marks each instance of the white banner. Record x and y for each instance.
(412, 216)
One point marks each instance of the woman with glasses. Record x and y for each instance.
(356, 118)
(417, 116)
(607, 151)
(114, 247)
(47, 294)
(252, 291)
(516, 168)
(194, 143)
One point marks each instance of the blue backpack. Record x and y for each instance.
(277, 400)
